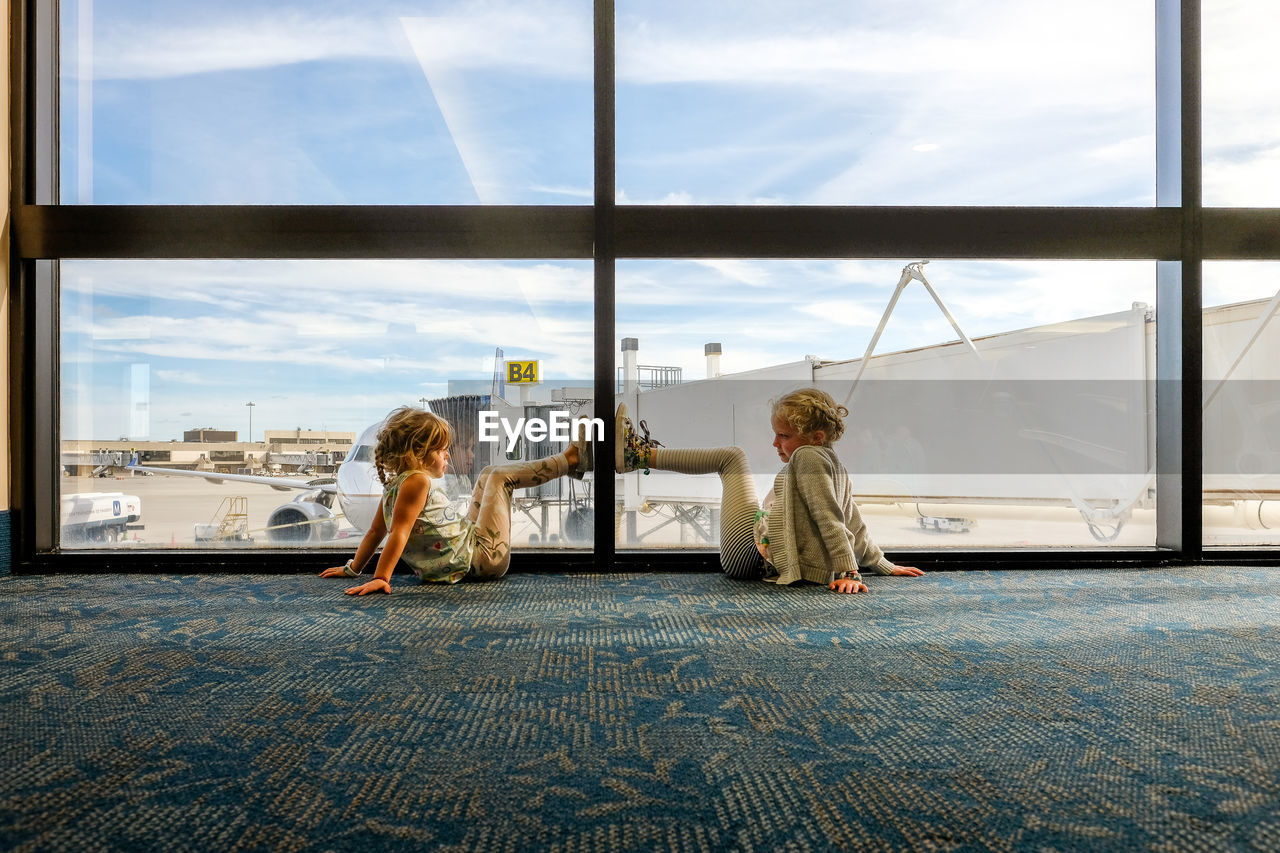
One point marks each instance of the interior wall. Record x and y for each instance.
(5, 451)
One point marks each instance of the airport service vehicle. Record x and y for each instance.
(99, 516)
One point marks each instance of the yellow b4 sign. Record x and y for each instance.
(522, 372)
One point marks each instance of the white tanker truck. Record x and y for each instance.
(99, 516)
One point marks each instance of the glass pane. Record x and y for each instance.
(1242, 403)
(1025, 102)
(1241, 113)
(1040, 433)
(383, 102)
(280, 372)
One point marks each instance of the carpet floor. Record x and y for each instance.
(1082, 710)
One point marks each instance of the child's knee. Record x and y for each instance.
(491, 572)
(740, 572)
(734, 460)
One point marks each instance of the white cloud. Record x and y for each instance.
(990, 297)
(675, 197)
(455, 51)
(830, 308)
(545, 39)
(132, 49)
(585, 193)
(552, 39)
(844, 100)
(271, 339)
(843, 313)
(1227, 282)
(1249, 178)
(549, 38)
(744, 272)
(863, 273)
(1135, 149)
(1241, 117)
(1005, 42)
(333, 288)
(292, 324)
(185, 377)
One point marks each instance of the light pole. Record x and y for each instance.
(250, 404)
(423, 401)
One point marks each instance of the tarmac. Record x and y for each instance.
(172, 506)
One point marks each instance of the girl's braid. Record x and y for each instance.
(811, 409)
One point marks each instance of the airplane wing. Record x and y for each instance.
(278, 483)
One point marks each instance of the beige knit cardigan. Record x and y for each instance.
(815, 529)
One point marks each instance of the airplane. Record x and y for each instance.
(309, 517)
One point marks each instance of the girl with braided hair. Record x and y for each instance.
(422, 528)
(809, 527)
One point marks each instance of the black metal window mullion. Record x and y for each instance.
(1191, 421)
(605, 276)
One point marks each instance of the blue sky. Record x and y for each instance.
(910, 102)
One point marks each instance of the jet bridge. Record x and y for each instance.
(558, 509)
(1059, 415)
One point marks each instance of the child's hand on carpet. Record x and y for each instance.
(335, 572)
(850, 585)
(909, 571)
(375, 585)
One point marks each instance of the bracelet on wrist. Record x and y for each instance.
(350, 570)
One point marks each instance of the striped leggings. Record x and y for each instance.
(739, 557)
(491, 508)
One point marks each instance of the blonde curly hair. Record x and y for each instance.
(809, 410)
(406, 438)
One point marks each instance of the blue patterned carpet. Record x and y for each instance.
(971, 711)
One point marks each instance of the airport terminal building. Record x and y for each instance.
(1063, 433)
(296, 451)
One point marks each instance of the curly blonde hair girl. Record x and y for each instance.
(406, 439)
(809, 410)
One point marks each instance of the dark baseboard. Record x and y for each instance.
(6, 547)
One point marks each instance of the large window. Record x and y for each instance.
(1242, 403)
(244, 231)
(910, 102)
(1001, 405)
(383, 102)
(1241, 398)
(1241, 113)
(278, 373)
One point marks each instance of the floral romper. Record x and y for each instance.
(442, 541)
